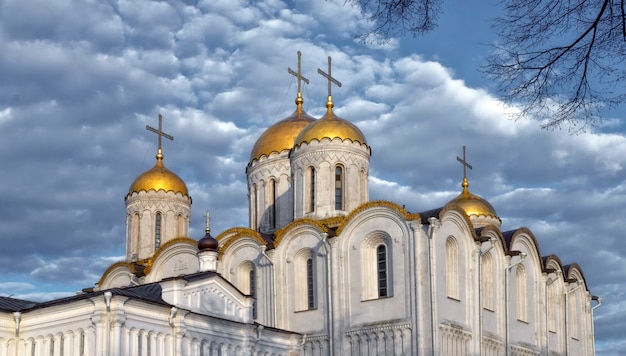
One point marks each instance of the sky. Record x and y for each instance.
(80, 80)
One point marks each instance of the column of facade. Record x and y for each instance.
(152, 339)
(416, 273)
(98, 321)
(68, 343)
(116, 337)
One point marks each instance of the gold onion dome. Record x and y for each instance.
(472, 204)
(330, 126)
(158, 178)
(281, 135)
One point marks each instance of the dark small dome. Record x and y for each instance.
(208, 243)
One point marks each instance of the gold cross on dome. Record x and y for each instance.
(329, 76)
(160, 132)
(464, 162)
(298, 75)
(208, 221)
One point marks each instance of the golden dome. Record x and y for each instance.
(281, 135)
(158, 178)
(330, 126)
(472, 204)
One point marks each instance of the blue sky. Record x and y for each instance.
(80, 80)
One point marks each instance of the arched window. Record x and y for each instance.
(179, 225)
(311, 207)
(376, 268)
(339, 188)
(310, 284)
(486, 281)
(246, 281)
(304, 280)
(271, 196)
(381, 266)
(157, 231)
(135, 236)
(522, 293)
(452, 269)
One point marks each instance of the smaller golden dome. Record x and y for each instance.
(330, 126)
(280, 136)
(158, 178)
(472, 204)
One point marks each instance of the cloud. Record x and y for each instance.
(79, 87)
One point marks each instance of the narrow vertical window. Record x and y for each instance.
(452, 269)
(338, 188)
(253, 290)
(253, 207)
(381, 260)
(309, 284)
(312, 190)
(179, 220)
(157, 231)
(51, 346)
(272, 201)
(135, 234)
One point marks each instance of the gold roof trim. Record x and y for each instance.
(379, 203)
(234, 233)
(457, 208)
(176, 240)
(115, 265)
(319, 224)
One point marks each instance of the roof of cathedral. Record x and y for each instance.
(281, 135)
(330, 126)
(472, 204)
(146, 292)
(9, 304)
(158, 178)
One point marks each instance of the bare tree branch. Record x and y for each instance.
(565, 83)
(397, 17)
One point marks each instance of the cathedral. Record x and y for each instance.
(320, 270)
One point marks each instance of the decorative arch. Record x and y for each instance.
(452, 268)
(305, 280)
(376, 266)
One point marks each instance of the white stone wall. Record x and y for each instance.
(418, 310)
(324, 156)
(141, 210)
(260, 173)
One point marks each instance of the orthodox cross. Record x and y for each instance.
(299, 74)
(464, 162)
(329, 76)
(160, 132)
(208, 221)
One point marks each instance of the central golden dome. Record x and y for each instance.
(158, 178)
(473, 204)
(330, 126)
(281, 135)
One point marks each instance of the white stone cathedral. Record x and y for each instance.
(320, 270)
